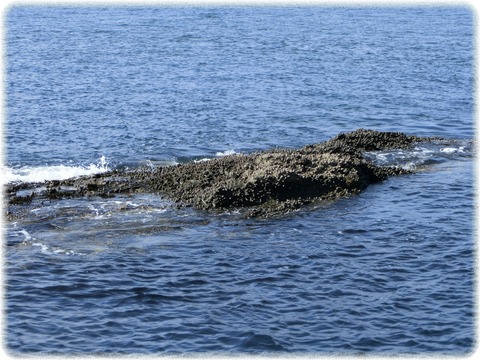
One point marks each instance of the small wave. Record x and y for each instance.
(28, 239)
(217, 154)
(45, 249)
(450, 150)
(26, 234)
(54, 172)
(420, 155)
(153, 164)
(260, 342)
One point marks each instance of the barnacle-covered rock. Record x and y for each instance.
(264, 183)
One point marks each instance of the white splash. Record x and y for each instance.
(225, 153)
(54, 172)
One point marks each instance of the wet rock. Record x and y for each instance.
(264, 183)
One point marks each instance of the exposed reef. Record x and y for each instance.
(263, 183)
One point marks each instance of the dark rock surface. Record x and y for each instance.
(265, 183)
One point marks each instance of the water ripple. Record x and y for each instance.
(388, 271)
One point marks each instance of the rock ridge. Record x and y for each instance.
(262, 184)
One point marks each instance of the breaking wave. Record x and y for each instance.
(52, 172)
(419, 156)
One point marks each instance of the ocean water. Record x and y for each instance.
(88, 89)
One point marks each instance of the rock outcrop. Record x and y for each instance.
(264, 183)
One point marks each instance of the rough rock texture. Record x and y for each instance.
(265, 183)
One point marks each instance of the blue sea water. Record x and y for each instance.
(390, 271)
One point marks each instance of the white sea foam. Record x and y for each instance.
(450, 150)
(411, 166)
(201, 160)
(47, 250)
(419, 156)
(55, 172)
(43, 247)
(26, 234)
(217, 154)
(225, 153)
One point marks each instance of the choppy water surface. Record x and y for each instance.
(94, 88)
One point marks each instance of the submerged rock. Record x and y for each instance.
(263, 183)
